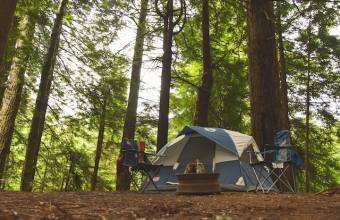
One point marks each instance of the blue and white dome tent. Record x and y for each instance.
(221, 151)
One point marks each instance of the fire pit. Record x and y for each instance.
(198, 183)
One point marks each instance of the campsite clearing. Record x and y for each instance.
(114, 205)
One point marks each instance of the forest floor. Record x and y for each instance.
(114, 205)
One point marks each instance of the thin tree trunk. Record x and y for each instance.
(131, 111)
(61, 188)
(204, 92)
(70, 172)
(39, 114)
(7, 11)
(283, 76)
(12, 96)
(263, 71)
(8, 57)
(99, 146)
(307, 163)
(122, 181)
(284, 113)
(163, 120)
(307, 181)
(43, 182)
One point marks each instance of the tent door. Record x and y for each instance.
(197, 148)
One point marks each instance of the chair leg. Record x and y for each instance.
(150, 177)
(258, 180)
(276, 180)
(132, 180)
(261, 183)
(285, 181)
(142, 190)
(145, 186)
(150, 180)
(279, 178)
(294, 180)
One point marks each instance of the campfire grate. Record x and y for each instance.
(198, 183)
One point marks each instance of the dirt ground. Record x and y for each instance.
(113, 205)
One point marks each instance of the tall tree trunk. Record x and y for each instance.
(284, 113)
(39, 114)
(7, 11)
(283, 75)
(122, 181)
(8, 57)
(4, 154)
(99, 146)
(204, 92)
(163, 118)
(12, 95)
(263, 71)
(131, 111)
(307, 163)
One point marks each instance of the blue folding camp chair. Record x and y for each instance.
(281, 159)
(284, 160)
(132, 160)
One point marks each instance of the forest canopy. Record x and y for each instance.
(77, 76)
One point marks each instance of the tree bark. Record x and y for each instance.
(3, 159)
(163, 118)
(122, 181)
(4, 154)
(99, 146)
(39, 114)
(283, 76)
(8, 57)
(263, 71)
(131, 112)
(12, 95)
(204, 92)
(7, 11)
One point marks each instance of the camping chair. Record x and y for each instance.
(281, 159)
(135, 159)
(261, 171)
